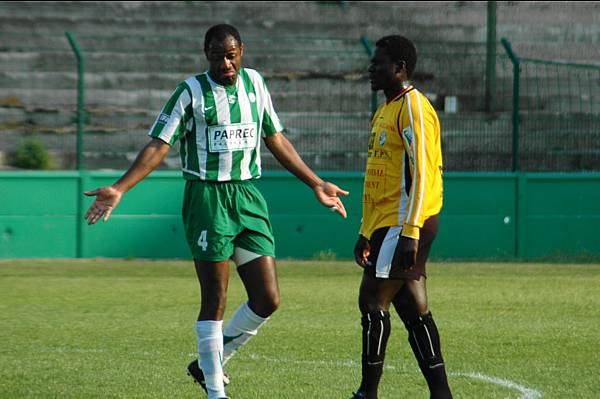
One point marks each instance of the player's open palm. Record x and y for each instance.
(107, 199)
(328, 194)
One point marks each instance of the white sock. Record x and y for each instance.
(243, 325)
(210, 350)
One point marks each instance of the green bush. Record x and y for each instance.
(31, 155)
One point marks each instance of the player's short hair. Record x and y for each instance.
(221, 32)
(400, 50)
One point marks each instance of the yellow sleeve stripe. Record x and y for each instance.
(415, 209)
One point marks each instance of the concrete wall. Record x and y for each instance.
(485, 216)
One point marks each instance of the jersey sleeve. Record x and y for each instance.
(270, 120)
(418, 139)
(170, 125)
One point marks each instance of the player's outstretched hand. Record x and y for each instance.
(107, 199)
(328, 195)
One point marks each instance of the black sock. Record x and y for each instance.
(376, 329)
(424, 340)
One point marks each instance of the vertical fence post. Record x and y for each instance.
(490, 69)
(365, 42)
(515, 114)
(80, 125)
(520, 186)
(80, 98)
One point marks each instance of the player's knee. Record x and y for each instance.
(409, 306)
(373, 317)
(265, 306)
(272, 304)
(367, 304)
(408, 315)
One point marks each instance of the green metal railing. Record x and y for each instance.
(80, 97)
(516, 106)
(326, 129)
(80, 130)
(555, 114)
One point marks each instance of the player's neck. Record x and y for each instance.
(221, 83)
(396, 91)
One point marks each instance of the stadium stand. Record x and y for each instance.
(313, 59)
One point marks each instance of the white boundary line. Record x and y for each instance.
(526, 393)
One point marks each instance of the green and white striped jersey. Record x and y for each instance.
(219, 127)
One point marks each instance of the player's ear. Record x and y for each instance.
(242, 49)
(401, 66)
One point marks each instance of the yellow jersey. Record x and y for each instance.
(403, 181)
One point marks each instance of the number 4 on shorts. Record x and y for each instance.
(202, 240)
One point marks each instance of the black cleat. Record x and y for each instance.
(196, 373)
(358, 395)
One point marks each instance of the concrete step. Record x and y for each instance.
(194, 27)
(345, 151)
(455, 126)
(315, 131)
(454, 12)
(93, 80)
(454, 20)
(140, 90)
(63, 61)
(154, 99)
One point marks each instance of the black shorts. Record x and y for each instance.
(383, 263)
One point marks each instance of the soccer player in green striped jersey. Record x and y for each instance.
(221, 118)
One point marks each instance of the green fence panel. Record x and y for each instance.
(38, 214)
(303, 227)
(562, 216)
(479, 217)
(485, 216)
(146, 224)
(556, 109)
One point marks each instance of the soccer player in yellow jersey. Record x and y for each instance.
(401, 202)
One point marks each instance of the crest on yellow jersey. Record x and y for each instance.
(408, 135)
(382, 138)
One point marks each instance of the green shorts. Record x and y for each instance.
(221, 216)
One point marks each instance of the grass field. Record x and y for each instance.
(125, 329)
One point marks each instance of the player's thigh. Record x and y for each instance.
(210, 220)
(257, 233)
(377, 293)
(428, 234)
(383, 257)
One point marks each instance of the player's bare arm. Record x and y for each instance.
(327, 193)
(108, 197)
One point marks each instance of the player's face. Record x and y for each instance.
(225, 60)
(382, 71)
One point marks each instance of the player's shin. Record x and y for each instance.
(376, 330)
(241, 328)
(210, 350)
(424, 340)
